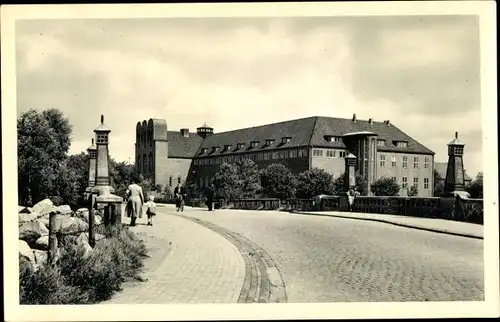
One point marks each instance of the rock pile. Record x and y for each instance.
(34, 229)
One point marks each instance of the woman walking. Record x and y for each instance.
(135, 201)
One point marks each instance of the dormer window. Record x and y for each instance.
(401, 144)
(333, 138)
(254, 144)
(269, 142)
(381, 142)
(227, 147)
(240, 145)
(215, 149)
(285, 140)
(203, 150)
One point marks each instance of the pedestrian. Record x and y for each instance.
(209, 193)
(151, 211)
(135, 201)
(350, 198)
(179, 197)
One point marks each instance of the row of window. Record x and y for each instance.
(170, 179)
(329, 153)
(404, 182)
(399, 144)
(147, 164)
(258, 156)
(404, 162)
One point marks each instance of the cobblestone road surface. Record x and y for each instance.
(326, 259)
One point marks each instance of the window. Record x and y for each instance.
(426, 162)
(102, 138)
(170, 181)
(317, 153)
(381, 142)
(404, 183)
(405, 162)
(240, 145)
(285, 140)
(415, 162)
(269, 142)
(330, 153)
(401, 144)
(254, 144)
(275, 155)
(426, 183)
(293, 153)
(267, 155)
(282, 154)
(393, 161)
(394, 179)
(341, 154)
(144, 163)
(415, 182)
(459, 150)
(179, 179)
(382, 160)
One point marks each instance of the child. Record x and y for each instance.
(151, 211)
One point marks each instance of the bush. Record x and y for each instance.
(413, 192)
(476, 187)
(278, 182)
(314, 182)
(81, 278)
(227, 182)
(361, 185)
(385, 187)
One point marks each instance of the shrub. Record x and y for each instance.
(476, 187)
(278, 182)
(227, 182)
(385, 187)
(413, 192)
(361, 185)
(314, 182)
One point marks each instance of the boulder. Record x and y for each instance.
(71, 225)
(25, 250)
(44, 220)
(42, 243)
(64, 210)
(44, 207)
(31, 231)
(86, 247)
(26, 217)
(40, 256)
(82, 213)
(84, 238)
(97, 220)
(23, 210)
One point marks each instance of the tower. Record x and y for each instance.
(205, 130)
(92, 151)
(454, 182)
(102, 158)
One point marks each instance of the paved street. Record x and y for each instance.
(328, 259)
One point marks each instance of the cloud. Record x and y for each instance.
(231, 73)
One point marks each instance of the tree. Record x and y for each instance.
(43, 139)
(278, 182)
(249, 178)
(79, 164)
(385, 187)
(413, 192)
(438, 184)
(121, 174)
(227, 182)
(314, 182)
(361, 185)
(476, 187)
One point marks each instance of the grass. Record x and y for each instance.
(81, 278)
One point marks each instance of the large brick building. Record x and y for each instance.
(382, 150)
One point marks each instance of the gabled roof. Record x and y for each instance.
(298, 130)
(183, 147)
(388, 132)
(441, 168)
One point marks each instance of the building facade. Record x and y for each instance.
(382, 150)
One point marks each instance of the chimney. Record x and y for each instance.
(388, 123)
(370, 121)
(185, 132)
(354, 118)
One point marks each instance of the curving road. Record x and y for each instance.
(326, 259)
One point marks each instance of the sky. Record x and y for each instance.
(420, 72)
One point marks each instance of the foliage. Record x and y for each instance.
(227, 182)
(413, 192)
(85, 279)
(146, 185)
(278, 182)
(249, 178)
(121, 174)
(385, 187)
(314, 182)
(159, 188)
(79, 164)
(438, 184)
(361, 185)
(43, 140)
(476, 187)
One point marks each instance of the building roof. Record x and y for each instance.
(309, 131)
(441, 168)
(183, 147)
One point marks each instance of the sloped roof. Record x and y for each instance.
(441, 168)
(338, 127)
(183, 147)
(299, 132)
(309, 131)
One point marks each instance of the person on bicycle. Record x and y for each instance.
(179, 197)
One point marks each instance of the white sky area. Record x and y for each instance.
(420, 72)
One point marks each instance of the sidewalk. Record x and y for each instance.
(200, 267)
(430, 224)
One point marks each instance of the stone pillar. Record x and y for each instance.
(371, 156)
(454, 182)
(350, 172)
(92, 151)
